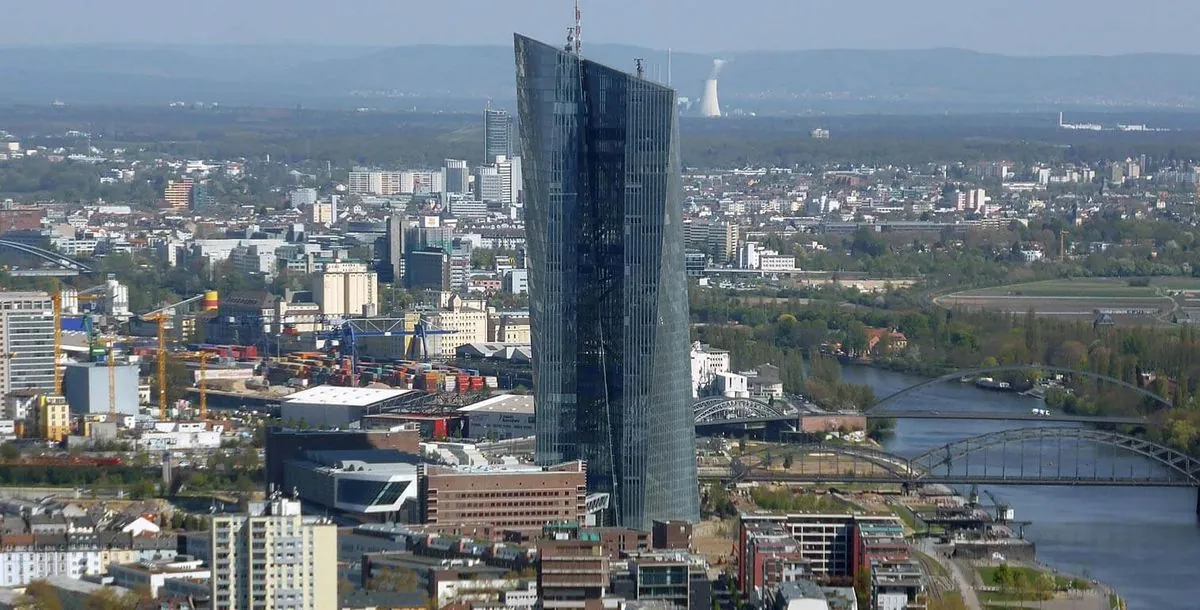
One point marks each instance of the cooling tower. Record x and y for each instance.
(709, 106)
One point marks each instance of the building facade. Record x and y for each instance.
(273, 558)
(519, 498)
(347, 289)
(608, 299)
(497, 133)
(27, 341)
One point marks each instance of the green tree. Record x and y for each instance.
(43, 596)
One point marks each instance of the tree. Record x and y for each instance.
(9, 452)
(787, 462)
(43, 596)
(400, 580)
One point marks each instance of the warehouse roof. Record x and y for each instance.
(504, 403)
(332, 395)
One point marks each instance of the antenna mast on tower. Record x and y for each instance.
(578, 29)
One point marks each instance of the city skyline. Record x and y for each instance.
(608, 306)
(1033, 28)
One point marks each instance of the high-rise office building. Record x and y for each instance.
(608, 297)
(27, 341)
(489, 184)
(497, 134)
(273, 558)
(392, 271)
(509, 170)
(458, 176)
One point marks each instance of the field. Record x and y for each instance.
(1123, 298)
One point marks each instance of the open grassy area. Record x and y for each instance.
(1062, 288)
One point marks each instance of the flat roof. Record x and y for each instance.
(333, 395)
(504, 403)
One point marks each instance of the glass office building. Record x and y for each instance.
(608, 298)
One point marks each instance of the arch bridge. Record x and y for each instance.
(54, 258)
(721, 410)
(878, 406)
(1023, 456)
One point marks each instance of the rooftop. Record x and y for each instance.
(504, 403)
(332, 395)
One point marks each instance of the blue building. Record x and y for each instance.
(608, 296)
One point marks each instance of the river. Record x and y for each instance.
(1144, 542)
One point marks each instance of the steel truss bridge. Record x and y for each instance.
(54, 258)
(720, 411)
(879, 404)
(1024, 456)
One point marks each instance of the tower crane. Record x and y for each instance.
(160, 317)
(56, 299)
(204, 385)
(111, 362)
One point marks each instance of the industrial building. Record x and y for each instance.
(375, 484)
(86, 387)
(337, 406)
(519, 497)
(346, 289)
(500, 417)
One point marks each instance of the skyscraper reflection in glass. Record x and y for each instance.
(608, 298)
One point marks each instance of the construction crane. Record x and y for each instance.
(111, 362)
(58, 381)
(348, 332)
(160, 317)
(204, 385)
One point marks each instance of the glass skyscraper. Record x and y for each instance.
(497, 134)
(608, 298)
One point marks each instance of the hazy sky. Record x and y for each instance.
(1016, 27)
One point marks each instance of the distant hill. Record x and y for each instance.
(401, 77)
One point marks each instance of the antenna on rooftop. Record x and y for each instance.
(575, 34)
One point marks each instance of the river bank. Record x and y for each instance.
(1133, 539)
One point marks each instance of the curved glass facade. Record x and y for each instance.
(608, 296)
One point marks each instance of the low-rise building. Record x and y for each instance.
(521, 498)
(376, 484)
(500, 417)
(152, 575)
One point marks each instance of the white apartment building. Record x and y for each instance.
(707, 363)
(27, 339)
(374, 182)
(273, 558)
(346, 289)
(412, 182)
(303, 197)
(776, 262)
(468, 323)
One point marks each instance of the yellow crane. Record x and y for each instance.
(112, 379)
(57, 300)
(204, 385)
(161, 319)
